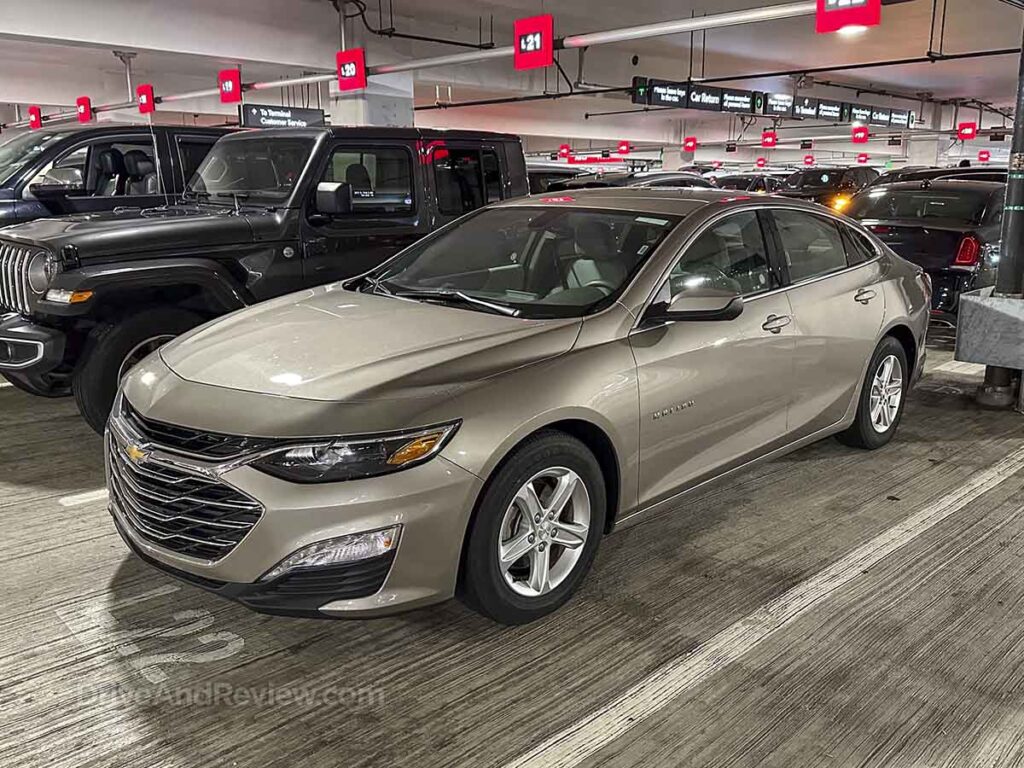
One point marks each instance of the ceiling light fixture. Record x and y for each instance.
(853, 30)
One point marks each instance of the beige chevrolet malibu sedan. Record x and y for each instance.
(475, 415)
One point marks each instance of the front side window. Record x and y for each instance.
(730, 255)
(105, 168)
(22, 150)
(811, 244)
(536, 261)
(263, 170)
(380, 177)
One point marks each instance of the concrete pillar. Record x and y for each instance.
(387, 100)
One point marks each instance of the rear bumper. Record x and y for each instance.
(28, 352)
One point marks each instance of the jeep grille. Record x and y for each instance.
(15, 294)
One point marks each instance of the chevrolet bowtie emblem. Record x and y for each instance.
(136, 454)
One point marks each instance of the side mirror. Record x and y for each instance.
(698, 304)
(333, 198)
(53, 191)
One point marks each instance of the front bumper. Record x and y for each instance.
(30, 353)
(432, 502)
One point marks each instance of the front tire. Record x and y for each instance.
(536, 530)
(114, 348)
(882, 398)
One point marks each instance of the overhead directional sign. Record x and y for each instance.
(534, 42)
(778, 104)
(880, 116)
(805, 107)
(899, 118)
(835, 111)
(833, 15)
(742, 102)
(860, 113)
(272, 116)
(664, 93)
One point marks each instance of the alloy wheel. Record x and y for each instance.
(886, 394)
(543, 532)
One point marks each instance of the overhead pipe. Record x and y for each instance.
(641, 32)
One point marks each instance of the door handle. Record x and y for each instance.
(864, 296)
(775, 323)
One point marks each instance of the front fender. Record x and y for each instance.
(215, 280)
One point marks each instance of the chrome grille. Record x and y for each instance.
(177, 510)
(191, 442)
(15, 295)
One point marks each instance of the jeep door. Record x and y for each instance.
(385, 215)
(838, 308)
(466, 176)
(715, 393)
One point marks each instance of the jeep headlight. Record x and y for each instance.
(42, 268)
(353, 458)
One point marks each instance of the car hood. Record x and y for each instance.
(139, 231)
(331, 344)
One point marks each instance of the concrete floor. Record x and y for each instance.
(914, 659)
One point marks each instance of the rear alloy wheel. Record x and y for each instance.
(882, 398)
(536, 531)
(114, 349)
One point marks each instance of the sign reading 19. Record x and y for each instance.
(530, 42)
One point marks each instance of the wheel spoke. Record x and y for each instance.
(564, 490)
(540, 570)
(512, 551)
(530, 504)
(570, 535)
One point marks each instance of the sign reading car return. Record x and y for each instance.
(268, 116)
(684, 95)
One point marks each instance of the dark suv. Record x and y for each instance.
(266, 213)
(832, 187)
(85, 170)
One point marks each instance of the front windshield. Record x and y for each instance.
(21, 150)
(538, 261)
(260, 170)
(813, 179)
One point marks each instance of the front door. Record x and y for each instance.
(838, 310)
(715, 393)
(384, 218)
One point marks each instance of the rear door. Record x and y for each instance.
(467, 176)
(713, 394)
(838, 310)
(386, 200)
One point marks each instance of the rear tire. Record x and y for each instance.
(882, 398)
(111, 351)
(557, 541)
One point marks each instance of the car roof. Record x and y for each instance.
(371, 132)
(948, 185)
(69, 131)
(663, 200)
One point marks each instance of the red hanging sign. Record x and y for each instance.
(146, 98)
(833, 15)
(761, 162)
(84, 106)
(808, 159)
(564, 150)
(863, 158)
(861, 134)
(624, 147)
(533, 41)
(229, 82)
(967, 131)
(351, 69)
(35, 118)
(984, 156)
(769, 139)
(690, 144)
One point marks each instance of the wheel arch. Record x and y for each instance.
(908, 341)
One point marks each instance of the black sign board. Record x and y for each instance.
(997, 137)
(731, 146)
(806, 107)
(899, 118)
(606, 153)
(895, 141)
(553, 156)
(664, 93)
(741, 102)
(806, 144)
(271, 116)
(705, 97)
(836, 111)
(778, 104)
(860, 114)
(880, 116)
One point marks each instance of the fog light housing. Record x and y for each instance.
(346, 549)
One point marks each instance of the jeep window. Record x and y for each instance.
(380, 177)
(22, 150)
(260, 170)
(492, 175)
(540, 261)
(192, 150)
(105, 167)
(459, 179)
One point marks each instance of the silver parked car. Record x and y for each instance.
(473, 417)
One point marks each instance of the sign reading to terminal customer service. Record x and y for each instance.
(833, 15)
(351, 69)
(84, 106)
(534, 42)
(271, 116)
(35, 118)
(146, 97)
(229, 81)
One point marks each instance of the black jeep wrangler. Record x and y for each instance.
(266, 213)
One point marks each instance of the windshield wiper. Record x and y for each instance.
(459, 296)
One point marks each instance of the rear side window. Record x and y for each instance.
(858, 249)
(811, 245)
(381, 178)
(459, 178)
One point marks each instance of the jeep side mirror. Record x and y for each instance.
(53, 191)
(698, 304)
(333, 198)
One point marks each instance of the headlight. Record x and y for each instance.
(41, 270)
(839, 203)
(354, 458)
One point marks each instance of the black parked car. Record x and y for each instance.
(543, 175)
(749, 182)
(832, 187)
(267, 213)
(951, 228)
(678, 179)
(85, 170)
(919, 173)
